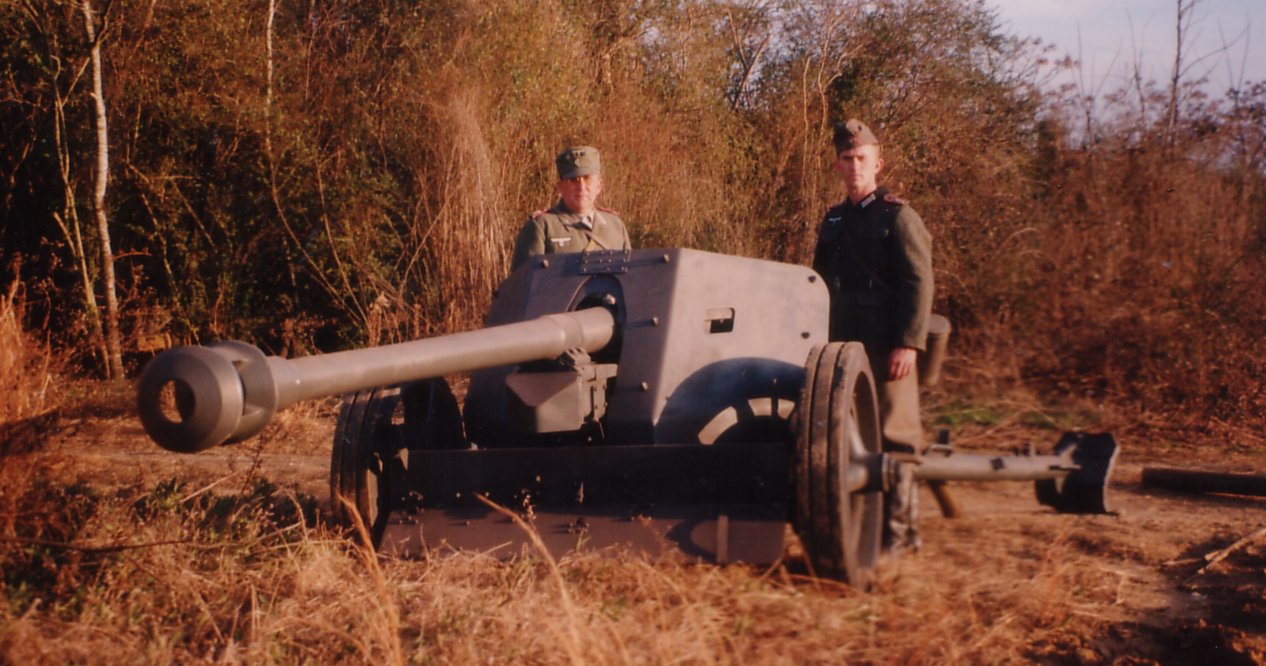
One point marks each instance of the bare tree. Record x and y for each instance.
(1185, 32)
(114, 346)
(347, 292)
(1182, 28)
(748, 56)
(68, 219)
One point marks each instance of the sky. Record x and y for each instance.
(1107, 37)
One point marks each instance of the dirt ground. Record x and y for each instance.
(1168, 577)
(1169, 605)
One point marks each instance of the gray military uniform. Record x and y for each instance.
(559, 230)
(876, 259)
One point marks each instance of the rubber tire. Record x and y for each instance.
(357, 489)
(837, 426)
(375, 426)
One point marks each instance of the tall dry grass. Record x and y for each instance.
(29, 366)
(173, 574)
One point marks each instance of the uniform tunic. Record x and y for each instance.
(876, 259)
(559, 230)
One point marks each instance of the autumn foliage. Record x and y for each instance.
(310, 176)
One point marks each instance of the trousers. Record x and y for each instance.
(902, 429)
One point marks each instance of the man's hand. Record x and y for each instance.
(901, 362)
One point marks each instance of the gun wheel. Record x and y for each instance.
(838, 426)
(375, 428)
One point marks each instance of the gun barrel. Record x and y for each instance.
(230, 390)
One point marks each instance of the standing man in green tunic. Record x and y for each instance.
(876, 258)
(575, 223)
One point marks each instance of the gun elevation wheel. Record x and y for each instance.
(838, 427)
(375, 428)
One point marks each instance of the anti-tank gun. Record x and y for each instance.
(657, 398)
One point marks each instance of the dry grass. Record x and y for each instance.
(170, 573)
(28, 365)
(227, 570)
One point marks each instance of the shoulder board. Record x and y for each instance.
(539, 213)
(893, 199)
(608, 210)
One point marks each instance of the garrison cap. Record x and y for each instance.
(578, 161)
(853, 134)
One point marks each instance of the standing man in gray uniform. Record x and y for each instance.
(876, 258)
(575, 223)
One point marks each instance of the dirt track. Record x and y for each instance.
(1140, 570)
(1139, 586)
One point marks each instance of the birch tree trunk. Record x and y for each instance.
(68, 219)
(114, 346)
(68, 222)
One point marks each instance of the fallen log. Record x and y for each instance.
(1197, 481)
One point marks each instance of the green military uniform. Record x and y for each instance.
(562, 230)
(876, 258)
(559, 230)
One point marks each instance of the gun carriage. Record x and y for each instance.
(656, 398)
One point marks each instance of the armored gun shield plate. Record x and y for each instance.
(710, 347)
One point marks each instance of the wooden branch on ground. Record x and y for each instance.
(1204, 482)
(1219, 555)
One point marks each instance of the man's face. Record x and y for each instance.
(859, 168)
(580, 194)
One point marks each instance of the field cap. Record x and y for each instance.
(853, 134)
(578, 161)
